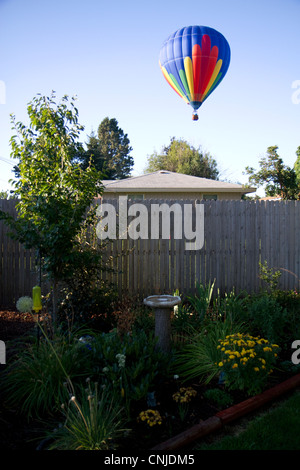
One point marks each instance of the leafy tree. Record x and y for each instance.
(297, 166)
(276, 178)
(181, 157)
(5, 194)
(109, 150)
(53, 193)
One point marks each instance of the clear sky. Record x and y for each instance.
(106, 53)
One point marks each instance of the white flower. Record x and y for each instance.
(121, 360)
(25, 304)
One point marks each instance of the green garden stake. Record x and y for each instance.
(37, 299)
(37, 306)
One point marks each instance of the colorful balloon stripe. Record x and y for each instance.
(194, 60)
(173, 83)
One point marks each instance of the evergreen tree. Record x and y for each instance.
(109, 150)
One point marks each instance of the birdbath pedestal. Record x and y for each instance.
(162, 306)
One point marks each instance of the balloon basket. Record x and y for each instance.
(195, 117)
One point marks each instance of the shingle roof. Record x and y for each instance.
(162, 181)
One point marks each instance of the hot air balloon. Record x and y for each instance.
(194, 61)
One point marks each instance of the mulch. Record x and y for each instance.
(14, 324)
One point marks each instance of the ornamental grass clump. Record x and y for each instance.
(93, 421)
(246, 361)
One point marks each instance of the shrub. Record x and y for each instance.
(87, 303)
(269, 319)
(246, 361)
(289, 301)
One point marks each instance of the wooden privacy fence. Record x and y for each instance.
(237, 236)
(18, 272)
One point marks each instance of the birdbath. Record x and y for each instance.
(162, 306)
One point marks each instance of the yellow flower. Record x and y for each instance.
(220, 364)
(256, 369)
(235, 366)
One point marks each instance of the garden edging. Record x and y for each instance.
(228, 415)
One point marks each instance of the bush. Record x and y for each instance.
(246, 362)
(270, 319)
(85, 304)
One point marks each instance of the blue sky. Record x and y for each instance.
(106, 53)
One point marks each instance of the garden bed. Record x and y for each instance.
(203, 416)
(18, 434)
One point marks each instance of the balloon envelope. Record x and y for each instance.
(194, 60)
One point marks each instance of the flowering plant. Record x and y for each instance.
(184, 395)
(24, 304)
(183, 398)
(152, 417)
(246, 361)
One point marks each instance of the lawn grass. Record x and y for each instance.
(278, 428)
